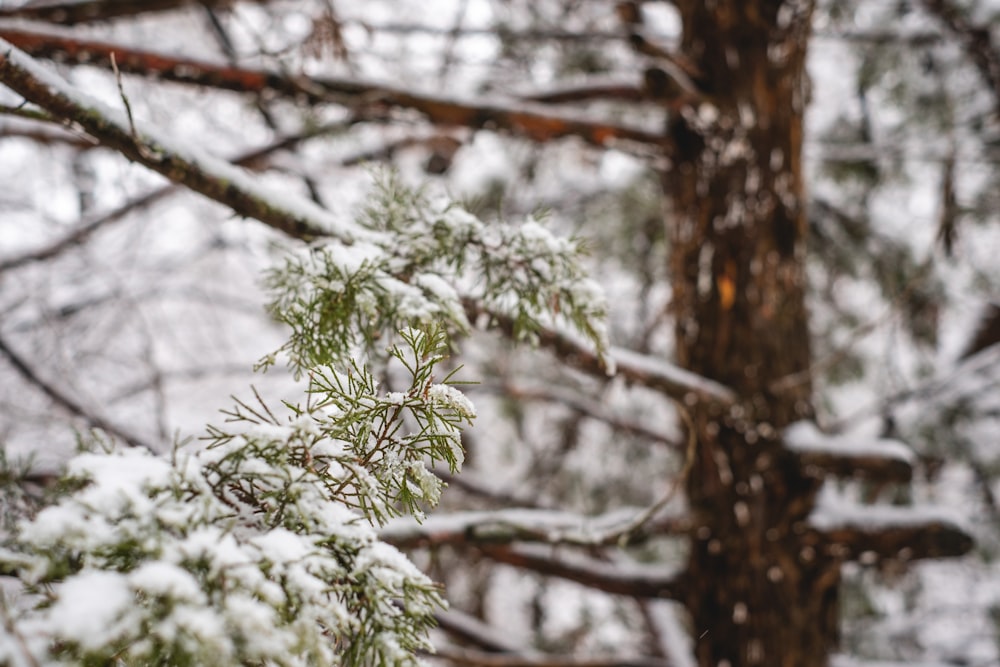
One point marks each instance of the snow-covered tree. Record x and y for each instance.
(260, 547)
(726, 479)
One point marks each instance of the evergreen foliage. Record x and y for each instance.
(260, 548)
(429, 259)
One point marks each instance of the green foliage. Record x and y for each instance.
(339, 299)
(369, 449)
(260, 548)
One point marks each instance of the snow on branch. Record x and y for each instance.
(870, 533)
(656, 373)
(396, 267)
(535, 123)
(187, 165)
(336, 298)
(878, 459)
(259, 548)
(642, 369)
(250, 160)
(528, 525)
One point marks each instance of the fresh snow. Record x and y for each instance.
(805, 436)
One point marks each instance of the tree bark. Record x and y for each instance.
(758, 594)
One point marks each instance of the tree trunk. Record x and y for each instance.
(737, 225)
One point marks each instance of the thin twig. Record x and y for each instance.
(66, 402)
(128, 110)
(646, 516)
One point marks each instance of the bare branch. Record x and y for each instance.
(85, 229)
(474, 631)
(632, 580)
(474, 485)
(592, 91)
(581, 405)
(63, 400)
(908, 37)
(504, 33)
(72, 12)
(976, 40)
(534, 124)
(46, 136)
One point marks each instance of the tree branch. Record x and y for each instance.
(976, 41)
(536, 125)
(66, 402)
(474, 485)
(592, 91)
(888, 533)
(529, 525)
(635, 581)
(252, 159)
(474, 631)
(876, 459)
(481, 659)
(73, 12)
(498, 650)
(583, 406)
(644, 370)
(214, 178)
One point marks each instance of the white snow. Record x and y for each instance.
(93, 608)
(654, 367)
(805, 436)
(834, 511)
(297, 207)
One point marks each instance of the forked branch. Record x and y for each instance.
(535, 124)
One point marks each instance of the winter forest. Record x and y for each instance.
(509, 333)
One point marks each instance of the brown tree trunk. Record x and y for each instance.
(758, 596)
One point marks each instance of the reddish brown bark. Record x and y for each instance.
(521, 120)
(737, 229)
(73, 12)
(761, 584)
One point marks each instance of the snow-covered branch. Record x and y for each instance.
(528, 525)
(189, 166)
(402, 262)
(866, 532)
(250, 160)
(641, 369)
(259, 548)
(879, 459)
